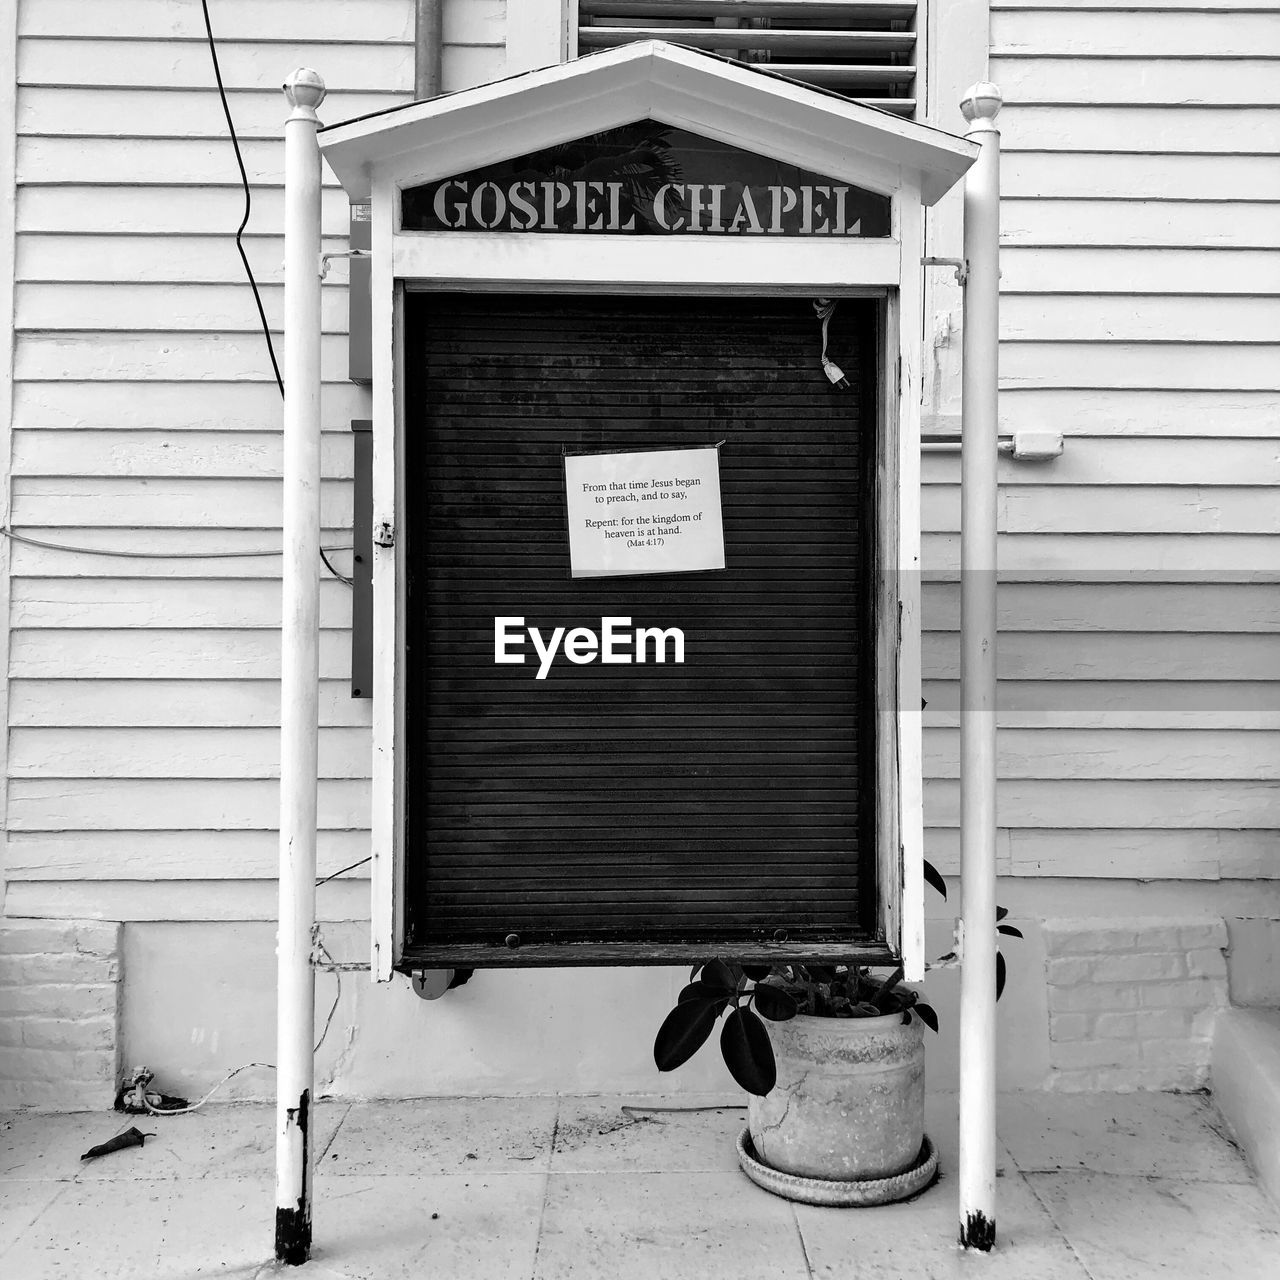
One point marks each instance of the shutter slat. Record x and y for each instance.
(824, 10)
(782, 41)
(863, 51)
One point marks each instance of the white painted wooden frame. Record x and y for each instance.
(538, 32)
(8, 189)
(378, 156)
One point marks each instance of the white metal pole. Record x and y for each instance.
(299, 672)
(978, 493)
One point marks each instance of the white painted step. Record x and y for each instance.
(1253, 961)
(1245, 1073)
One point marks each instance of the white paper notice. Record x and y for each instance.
(655, 511)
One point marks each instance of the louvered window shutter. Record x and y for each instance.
(865, 51)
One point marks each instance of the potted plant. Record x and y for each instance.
(831, 1056)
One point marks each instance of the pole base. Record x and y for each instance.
(978, 1232)
(293, 1236)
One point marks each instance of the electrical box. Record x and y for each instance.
(359, 341)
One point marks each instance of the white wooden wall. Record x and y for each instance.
(1141, 318)
(143, 697)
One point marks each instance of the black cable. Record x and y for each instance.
(244, 222)
(332, 570)
(7, 532)
(343, 872)
(248, 195)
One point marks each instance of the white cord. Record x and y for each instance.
(337, 972)
(270, 1066)
(825, 308)
(195, 1106)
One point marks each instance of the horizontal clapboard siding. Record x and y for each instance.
(1030, 753)
(1140, 318)
(144, 696)
(1140, 645)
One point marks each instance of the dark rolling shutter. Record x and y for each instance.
(725, 798)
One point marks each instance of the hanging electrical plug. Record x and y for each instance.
(835, 374)
(825, 309)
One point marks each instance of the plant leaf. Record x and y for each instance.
(774, 1003)
(1001, 912)
(1012, 930)
(718, 974)
(683, 1032)
(747, 1052)
(697, 969)
(1000, 975)
(885, 990)
(703, 991)
(926, 1015)
(822, 972)
(757, 972)
(934, 879)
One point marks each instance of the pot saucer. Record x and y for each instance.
(839, 1192)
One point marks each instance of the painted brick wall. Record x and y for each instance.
(59, 1013)
(1132, 1005)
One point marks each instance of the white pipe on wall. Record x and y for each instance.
(428, 49)
(978, 498)
(299, 674)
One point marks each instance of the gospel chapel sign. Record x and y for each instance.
(646, 179)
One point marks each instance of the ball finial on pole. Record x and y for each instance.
(982, 101)
(305, 90)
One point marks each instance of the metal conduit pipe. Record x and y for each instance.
(979, 491)
(299, 673)
(428, 46)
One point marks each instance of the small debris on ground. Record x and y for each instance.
(129, 1138)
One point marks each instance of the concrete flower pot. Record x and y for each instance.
(849, 1101)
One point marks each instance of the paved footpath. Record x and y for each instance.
(1092, 1187)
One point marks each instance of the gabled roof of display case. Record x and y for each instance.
(648, 80)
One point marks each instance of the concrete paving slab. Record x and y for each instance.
(597, 1134)
(383, 1228)
(919, 1239)
(215, 1226)
(103, 1230)
(445, 1135)
(48, 1147)
(486, 1228)
(1127, 1228)
(631, 1210)
(675, 1226)
(21, 1203)
(226, 1141)
(1140, 1134)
